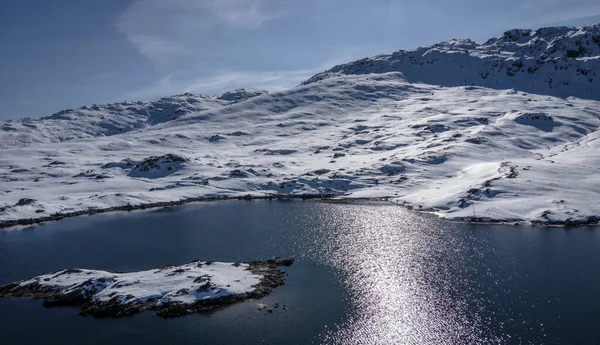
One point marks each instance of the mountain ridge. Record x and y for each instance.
(115, 118)
(557, 61)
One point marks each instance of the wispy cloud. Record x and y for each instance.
(196, 46)
(157, 48)
(164, 29)
(554, 12)
(102, 76)
(244, 13)
(222, 81)
(227, 80)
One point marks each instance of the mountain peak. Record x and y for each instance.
(557, 61)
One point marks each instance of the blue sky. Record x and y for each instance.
(63, 54)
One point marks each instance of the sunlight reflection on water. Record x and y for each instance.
(406, 275)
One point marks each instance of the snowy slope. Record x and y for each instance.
(557, 61)
(502, 154)
(114, 118)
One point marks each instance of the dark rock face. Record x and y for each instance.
(24, 202)
(241, 95)
(153, 162)
(272, 277)
(158, 166)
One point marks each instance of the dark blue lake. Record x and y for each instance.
(368, 273)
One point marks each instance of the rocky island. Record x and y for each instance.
(171, 291)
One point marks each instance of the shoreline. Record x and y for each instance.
(128, 208)
(330, 198)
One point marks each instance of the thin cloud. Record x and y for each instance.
(244, 13)
(157, 48)
(553, 12)
(223, 81)
(102, 76)
(227, 80)
(164, 29)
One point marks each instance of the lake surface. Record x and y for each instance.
(368, 273)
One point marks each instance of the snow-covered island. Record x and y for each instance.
(507, 130)
(198, 286)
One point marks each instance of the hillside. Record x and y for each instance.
(432, 136)
(111, 119)
(557, 61)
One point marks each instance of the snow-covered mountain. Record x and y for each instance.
(450, 128)
(114, 118)
(557, 61)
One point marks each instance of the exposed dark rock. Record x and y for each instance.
(24, 202)
(321, 171)
(477, 140)
(215, 138)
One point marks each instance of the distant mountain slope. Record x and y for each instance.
(557, 61)
(114, 118)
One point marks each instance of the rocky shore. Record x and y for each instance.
(62, 215)
(330, 198)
